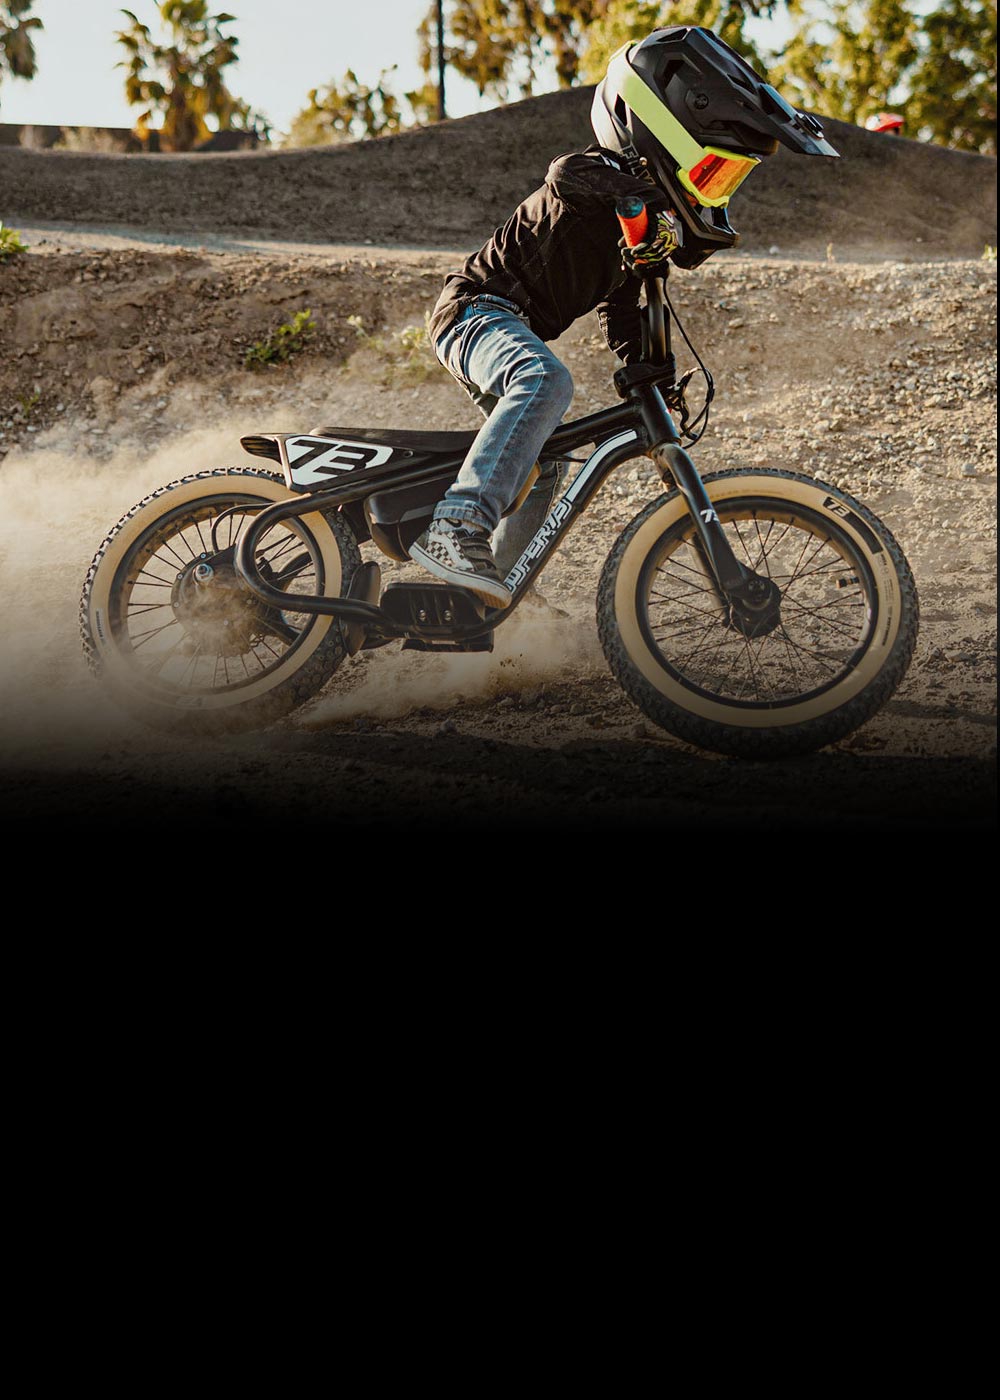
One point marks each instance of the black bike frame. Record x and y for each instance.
(642, 425)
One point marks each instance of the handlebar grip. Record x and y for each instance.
(633, 218)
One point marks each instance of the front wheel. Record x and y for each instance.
(174, 633)
(836, 649)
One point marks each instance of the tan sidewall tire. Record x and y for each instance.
(893, 584)
(319, 652)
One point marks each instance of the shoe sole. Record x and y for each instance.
(494, 595)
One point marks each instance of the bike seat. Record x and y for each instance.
(402, 437)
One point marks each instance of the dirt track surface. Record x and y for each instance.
(122, 369)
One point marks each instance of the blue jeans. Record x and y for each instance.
(524, 390)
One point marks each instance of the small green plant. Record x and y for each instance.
(10, 243)
(290, 337)
(406, 356)
(990, 253)
(28, 401)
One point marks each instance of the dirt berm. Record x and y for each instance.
(448, 186)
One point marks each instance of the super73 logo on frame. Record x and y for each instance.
(313, 459)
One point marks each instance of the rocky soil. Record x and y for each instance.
(123, 368)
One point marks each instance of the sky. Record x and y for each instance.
(286, 47)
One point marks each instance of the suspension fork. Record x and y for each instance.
(666, 451)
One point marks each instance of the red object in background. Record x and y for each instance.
(884, 121)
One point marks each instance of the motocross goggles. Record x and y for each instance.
(717, 176)
(709, 173)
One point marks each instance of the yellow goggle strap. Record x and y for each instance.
(659, 120)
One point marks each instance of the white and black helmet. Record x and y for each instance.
(683, 107)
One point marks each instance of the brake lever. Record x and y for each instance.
(676, 398)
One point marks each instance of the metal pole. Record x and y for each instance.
(440, 49)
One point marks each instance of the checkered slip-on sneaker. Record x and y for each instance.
(460, 554)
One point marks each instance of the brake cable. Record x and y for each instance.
(686, 427)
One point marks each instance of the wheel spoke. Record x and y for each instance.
(142, 638)
(277, 628)
(813, 641)
(211, 643)
(293, 568)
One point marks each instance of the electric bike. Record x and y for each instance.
(755, 612)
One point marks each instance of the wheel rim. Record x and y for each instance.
(181, 647)
(829, 608)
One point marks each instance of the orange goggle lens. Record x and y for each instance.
(717, 176)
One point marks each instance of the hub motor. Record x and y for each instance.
(215, 607)
(758, 611)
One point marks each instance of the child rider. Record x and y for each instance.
(680, 121)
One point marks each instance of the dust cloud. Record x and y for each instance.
(529, 650)
(58, 503)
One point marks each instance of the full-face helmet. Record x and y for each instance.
(684, 109)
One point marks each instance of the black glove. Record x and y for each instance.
(651, 258)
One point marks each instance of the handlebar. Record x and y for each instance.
(634, 219)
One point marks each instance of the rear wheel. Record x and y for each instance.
(832, 654)
(170, 628)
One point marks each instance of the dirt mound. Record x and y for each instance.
(450, 185)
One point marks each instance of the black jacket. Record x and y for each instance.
(557, 256)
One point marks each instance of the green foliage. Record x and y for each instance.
(954, 84)
(17, 52)
(279, 345)
(500, 44)
(845, 59)
(10, 243)
(181, 80)
(481, 43)
(627, 21)
(346, 111)
(852, 58)
(88, 138)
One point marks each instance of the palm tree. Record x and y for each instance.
(182, 79)
(17, 52)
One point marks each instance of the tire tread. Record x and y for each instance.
(765, 743)
(265, 709)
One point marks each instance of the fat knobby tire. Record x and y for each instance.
(762, 740)
(293, 685)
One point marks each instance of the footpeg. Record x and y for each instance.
(434, 611)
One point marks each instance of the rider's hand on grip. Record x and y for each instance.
(651, 257)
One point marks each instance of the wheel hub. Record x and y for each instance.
(757, 609)
(215, 607)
